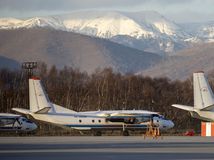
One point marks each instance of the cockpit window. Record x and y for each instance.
(159, 116)
(162, 117)
(26, 120)
(155, 115)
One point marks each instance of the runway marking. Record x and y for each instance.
(115, 150)
(105, 148)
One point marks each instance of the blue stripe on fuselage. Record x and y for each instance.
(12, 128)
(106, 126)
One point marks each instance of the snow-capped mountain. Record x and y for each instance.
(157, 23)
(99, 24)
(203, 31)
(141, 30)
(51, 22)
(147, 30)
(105, 25)
(207, 31)
(9, 23)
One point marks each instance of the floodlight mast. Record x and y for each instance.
(29, 67)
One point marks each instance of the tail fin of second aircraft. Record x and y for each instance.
(39, 101)
(203, 95)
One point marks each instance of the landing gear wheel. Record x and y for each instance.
(125, 133)
(98, 133)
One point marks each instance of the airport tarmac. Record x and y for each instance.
(106, 148)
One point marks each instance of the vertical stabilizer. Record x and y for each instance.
(203, 95)
(38, 98)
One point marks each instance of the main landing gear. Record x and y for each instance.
(97, 133)
(125, 133)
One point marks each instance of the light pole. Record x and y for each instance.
(29, 67)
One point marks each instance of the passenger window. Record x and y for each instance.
(93, 121)
(99, 121)
(80, 120)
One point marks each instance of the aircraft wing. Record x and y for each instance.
(81, 128)
(122, 114)
(131, 114)
(183, 107)
(8, 115)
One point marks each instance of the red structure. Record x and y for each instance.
(207, 129)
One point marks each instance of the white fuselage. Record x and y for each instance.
(90, 120)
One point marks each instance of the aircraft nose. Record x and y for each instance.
(171, 124)
(34, 126)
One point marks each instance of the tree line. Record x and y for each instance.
(101, 90)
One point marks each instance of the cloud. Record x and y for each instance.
(82, 4)
(62, 4)
(28, 8)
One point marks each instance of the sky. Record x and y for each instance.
(176, 10)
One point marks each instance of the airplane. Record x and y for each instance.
(17, 123)
(41, 108)
(203, 99)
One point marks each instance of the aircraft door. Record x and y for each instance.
(156, 121)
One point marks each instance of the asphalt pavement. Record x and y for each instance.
(106, 148)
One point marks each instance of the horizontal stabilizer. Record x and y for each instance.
(209, 108)
(22, 111)
(60, 109)
(43, 110)
(183, 107)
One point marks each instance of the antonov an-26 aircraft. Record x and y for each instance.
(42, 109)
(203, 99)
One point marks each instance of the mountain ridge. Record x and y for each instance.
(181, 66)
(149, 28)
(62, 48)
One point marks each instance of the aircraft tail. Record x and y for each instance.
(203, 95)
(39, 101)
